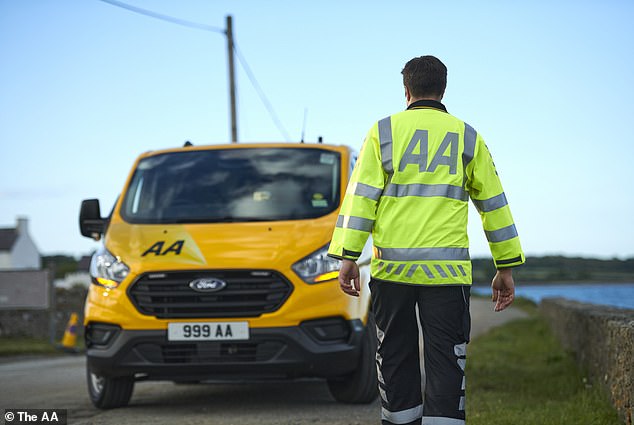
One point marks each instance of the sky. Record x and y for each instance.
(85, 87)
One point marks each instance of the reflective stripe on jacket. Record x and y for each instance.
(410, 189)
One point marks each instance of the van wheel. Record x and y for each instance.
(361, 386)
(108, 393)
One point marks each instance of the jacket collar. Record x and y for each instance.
(427, 104)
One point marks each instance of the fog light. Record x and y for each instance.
(100, 334)
(330, 330)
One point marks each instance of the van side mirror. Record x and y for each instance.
(91, 225)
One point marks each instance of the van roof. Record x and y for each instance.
(295, 145)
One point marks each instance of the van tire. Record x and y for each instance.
(109, 393)
(361, 386)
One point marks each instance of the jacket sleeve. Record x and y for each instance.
(358, 209)
(485, 190)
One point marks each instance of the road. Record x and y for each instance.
(60, 383)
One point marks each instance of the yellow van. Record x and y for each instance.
(213, 267)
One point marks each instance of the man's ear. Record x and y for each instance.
(408, 95)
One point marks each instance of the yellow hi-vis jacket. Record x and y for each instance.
(410, 188)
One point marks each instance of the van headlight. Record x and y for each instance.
(317, 267)
(107, 270)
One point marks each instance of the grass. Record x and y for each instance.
(13, 346)
(519, 374)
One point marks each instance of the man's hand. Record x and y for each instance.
(503, 289)
(349, 278)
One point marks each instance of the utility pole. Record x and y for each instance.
(232, 81)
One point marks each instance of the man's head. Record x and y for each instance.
(424, 77)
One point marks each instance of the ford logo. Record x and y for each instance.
(207, 284)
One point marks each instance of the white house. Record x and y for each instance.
(17, 249)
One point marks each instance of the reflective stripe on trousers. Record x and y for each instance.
(404, 416)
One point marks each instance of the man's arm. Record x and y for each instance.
(487, 194)
(485, 190)
(358, 212)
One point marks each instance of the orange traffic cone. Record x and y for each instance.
(70, 334)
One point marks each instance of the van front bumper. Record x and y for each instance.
(323, 348)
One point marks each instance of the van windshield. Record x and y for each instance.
(233, 185)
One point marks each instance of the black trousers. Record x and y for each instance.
(433, 389)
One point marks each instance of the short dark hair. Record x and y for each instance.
(425, 76)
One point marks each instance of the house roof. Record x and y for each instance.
(7, 238)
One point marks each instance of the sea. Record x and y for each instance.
(619, 295)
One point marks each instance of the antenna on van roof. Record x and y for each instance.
(304, 125)
(320, 140)
(188, 144)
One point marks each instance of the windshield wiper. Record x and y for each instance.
(223, 219)
(233, 219)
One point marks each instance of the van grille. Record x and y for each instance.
(248, 293)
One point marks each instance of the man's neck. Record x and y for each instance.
(427, 104)
(416, 99)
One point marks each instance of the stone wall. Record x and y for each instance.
(602, 339)
(36, 323)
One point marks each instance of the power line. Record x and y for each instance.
(166, 18)
(204, 27)
(260, 92)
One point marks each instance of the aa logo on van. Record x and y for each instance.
(160, 248)
(165, 245)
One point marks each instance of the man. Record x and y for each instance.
(410, 190)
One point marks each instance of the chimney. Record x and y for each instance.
(23, 225)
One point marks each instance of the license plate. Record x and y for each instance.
(208, 331)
